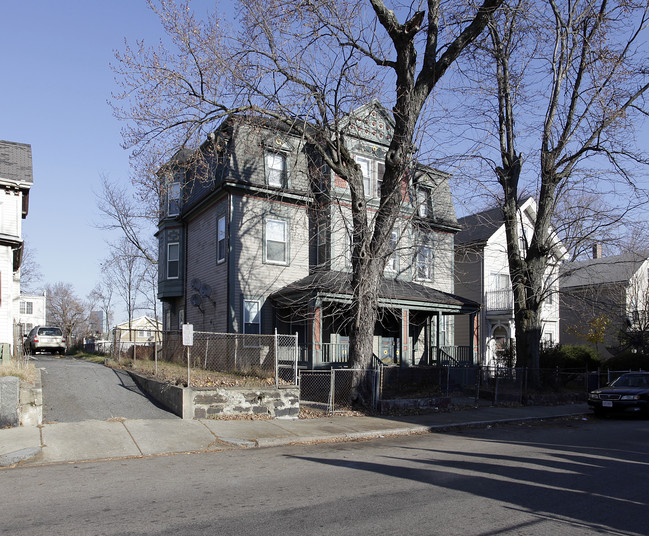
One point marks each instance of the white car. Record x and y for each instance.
(46, 339)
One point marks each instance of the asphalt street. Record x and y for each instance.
(579, 478)
(75, 390)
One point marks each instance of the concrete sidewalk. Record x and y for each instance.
(118, 438)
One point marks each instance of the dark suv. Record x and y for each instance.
(46, 339)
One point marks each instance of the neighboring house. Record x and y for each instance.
(254, 237)
(140, 330)
(31, 311)
(16, 179)
(605, 301)
(482, 274)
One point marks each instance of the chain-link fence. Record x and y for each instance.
(265, 356)
(333, 390)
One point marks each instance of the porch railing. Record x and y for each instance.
(331, 352)
(454, 356)
(500, 300)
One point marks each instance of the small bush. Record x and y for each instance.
(570, 357)
(627, 361)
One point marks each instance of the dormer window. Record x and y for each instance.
(276, 174)
(366, 169)
(424, 202)
(174, 194)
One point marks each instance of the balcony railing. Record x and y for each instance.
(500, 300)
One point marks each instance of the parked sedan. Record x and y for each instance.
(46, 339)
(629, 393)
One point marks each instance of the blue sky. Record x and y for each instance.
(55, 83)
(54, 86)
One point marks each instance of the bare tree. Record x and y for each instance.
(122, 212)
(306, 65)
(102, 296)
(66, 310)
(568, 80)
(30, 270)
(124, 271)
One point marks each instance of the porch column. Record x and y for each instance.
(438, 324)
(405, 337)
(316, 332)
(475, 339)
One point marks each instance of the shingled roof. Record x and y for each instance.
(605, 270)
(333, 283)
(16, 162)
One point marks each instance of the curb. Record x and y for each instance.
(18, 456)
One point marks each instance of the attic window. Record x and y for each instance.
(424, 202)
(276, 169)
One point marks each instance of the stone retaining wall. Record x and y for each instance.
(400, 404)
(211, 402)
(21, 403)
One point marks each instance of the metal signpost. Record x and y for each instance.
(188, 341)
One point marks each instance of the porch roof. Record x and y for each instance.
(337, 287)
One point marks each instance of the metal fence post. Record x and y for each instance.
(332, 387)
(276, 361)
(295, 352)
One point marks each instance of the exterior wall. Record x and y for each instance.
(207, 277)
(10, 225)
(579, 306)
(253, 277)
(478, 273)
(38, 316)
(6, 295)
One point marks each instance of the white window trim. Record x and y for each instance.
(368, 180)
(169, 260)
(173, 194)
(220, 259)
(283, 183)
(284, 262)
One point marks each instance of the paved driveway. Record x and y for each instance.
(76, 390)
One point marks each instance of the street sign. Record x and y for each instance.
(188, 334)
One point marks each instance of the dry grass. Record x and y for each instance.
(177, 375)
(22, 369)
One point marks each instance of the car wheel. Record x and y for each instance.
(599, 412)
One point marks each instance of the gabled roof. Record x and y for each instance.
(141, 322)
(16, 163)
(337, 286)
(477, 228)
(606, 270)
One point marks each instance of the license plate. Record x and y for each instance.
(607, 404)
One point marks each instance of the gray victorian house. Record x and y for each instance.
(254, 237)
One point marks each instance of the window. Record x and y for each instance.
(391, 264)
(424, 202)
(366, 168)
(276, 241)
(220, 225)
(276, 170)
(424, 260)
(522, 243)
(173, 260)
(173, 198)
(500, 282)
(321, 243)
(181, 318)
(26, 308)
(251, 319)
(380, 171)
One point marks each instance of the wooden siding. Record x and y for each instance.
(252, 277)
(205, 273)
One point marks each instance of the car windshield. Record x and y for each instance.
(51, 332)
(631, 380)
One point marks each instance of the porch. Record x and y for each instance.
(414, 328)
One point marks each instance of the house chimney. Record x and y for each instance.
(597, 251)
